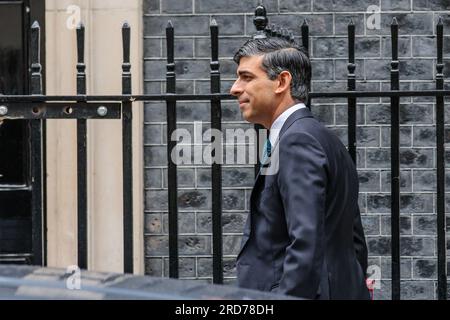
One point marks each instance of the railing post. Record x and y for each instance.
(305, 44)
(216, 118)
(36, 152)
(82, 211)
(440, 168)
(172, 168)
(351, 86)
(127, 154)
(395, 165)
(260, 22)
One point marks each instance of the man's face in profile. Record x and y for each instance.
(254, 90)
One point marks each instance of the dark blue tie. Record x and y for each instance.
(267, 151)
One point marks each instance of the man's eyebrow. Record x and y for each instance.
(244, 72)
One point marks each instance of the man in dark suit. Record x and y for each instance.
(303, 236)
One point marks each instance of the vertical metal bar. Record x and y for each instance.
(440, 167)
(260, 22)
(36, 150)
(172, 168)
(127, 154)
(305, 44)
(81, 158)
(395, 165)
(351, 86)
(216, 118)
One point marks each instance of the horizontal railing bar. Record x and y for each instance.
(212, 96)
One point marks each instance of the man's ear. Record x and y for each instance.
(284, 81)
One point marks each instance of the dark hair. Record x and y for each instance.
(281, 55)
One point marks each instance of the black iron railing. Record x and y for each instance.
(82, 107)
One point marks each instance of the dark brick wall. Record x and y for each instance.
(328, 28)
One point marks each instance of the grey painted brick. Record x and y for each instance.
(151, 6)
(341, 5)
(294, 6)
(368, 86)
(152, 134)
(424, 136)
(156, 245)
(227, 47)
(369, 180)
(176, 6)
(152, 87)
(424, 46)
(360, 157)
(409, 203)
(434, 5)
(186, 267)
(155, 69)
(194, 199)
(342, 21)
(192, 69)
(231, 222)
(233, 200)
(228, 69)
(371, 225)
(231, 24)
(392, 5)
(204, 267)
(185, 177)
(231, 112)
(405, 136)
(155, 200)
(203, 86)
(414, 113)
(409, 246)
(152, 223)
(155, 155)
(330, 47)
(322, 69)
(405, 181)
(385, 292)
(152, 48)
(416, 158)
(233, 6)
(417, 290)
(366, 47)
(425, 268)
(417, 69)
(404, 46)
(405, 225)
(152, 178)
(424, 225)
(408, 23)
(186, 222)
(183, 25)
(378, 158)
(405, 268)
(326, 86)
(154, 267)
(319, 24)
(365, 136)
(379, 246)
(231, 244)
(341, 114)
(417, 246)
(323, 113)
(424, 180)
(194, 245)
(341, 70)
(183, 48)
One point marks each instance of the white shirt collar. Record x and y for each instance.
(280, 120)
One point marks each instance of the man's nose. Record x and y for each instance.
(236, 90)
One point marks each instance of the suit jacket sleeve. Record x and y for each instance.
(302, 181)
